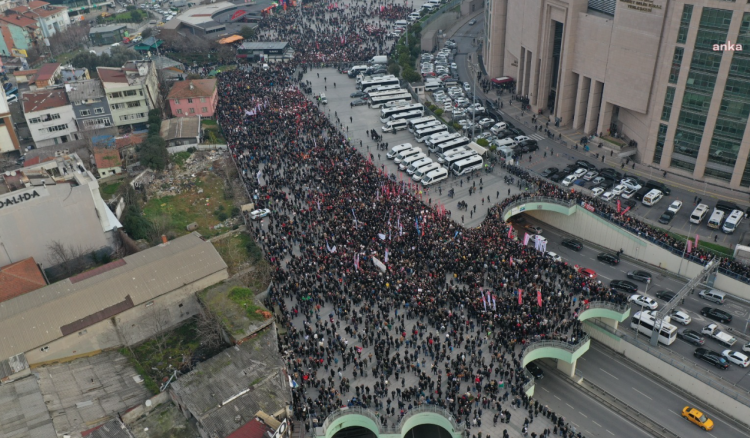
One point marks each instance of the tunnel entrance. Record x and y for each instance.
(427, 431)
(355, 432)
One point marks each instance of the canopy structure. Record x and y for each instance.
(230, 39)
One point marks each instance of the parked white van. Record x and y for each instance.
(403, 23)
(416, 165)
(395, 125)
(733, 221)
(652, 197)
(696, 217)
(422, 171)
(395, 150)
(435, 176)
(717, 217)
(406, 154)
(406, 162)
(509, 142)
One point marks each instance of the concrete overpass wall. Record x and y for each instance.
(672, 373)
(591, 227)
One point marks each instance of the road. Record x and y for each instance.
(652, 398)
(559, 156)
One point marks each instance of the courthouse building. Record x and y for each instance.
(674, 76)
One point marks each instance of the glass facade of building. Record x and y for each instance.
(704, 68)
(687, 14)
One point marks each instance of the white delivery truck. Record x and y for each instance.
(381, 59)
(716, 333)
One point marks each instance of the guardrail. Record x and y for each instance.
(531, 199)
(394, 428)
(617, 307)
(565, 345)
(432, 16)
(679, 362)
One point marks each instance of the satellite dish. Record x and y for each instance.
(148, 403)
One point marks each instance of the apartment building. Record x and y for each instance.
(195, 97)
(131, 91)
(91, 109)
(50, 117)
(49, 18)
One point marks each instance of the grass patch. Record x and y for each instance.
(614, 141)
(110, 189)
(208, 124)
(159, 356)
(190, 206)
(239, 251)
(245, 298)
(180, 157)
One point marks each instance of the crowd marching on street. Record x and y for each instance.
(373, 283)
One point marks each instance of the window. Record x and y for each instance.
(98, 110)
(204, 109)
(190, 100)
(192, 110)
(54, 116)
(668, 99)
(133, 116)
(135, 104)
(94, 123)
(35, 120)
(85, 113)
(203, 100)
(45, 349)
(177, 101)
(660, 143)
(56, 128)
(676, 62)
(179, 111)
(687, 14)
(116, 95)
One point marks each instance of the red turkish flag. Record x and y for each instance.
(520, 296)
(539, 297)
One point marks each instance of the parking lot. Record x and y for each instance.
(487, 184)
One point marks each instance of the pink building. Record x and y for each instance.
(193, 97)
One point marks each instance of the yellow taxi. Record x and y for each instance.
(696, 417)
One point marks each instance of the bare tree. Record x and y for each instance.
(209, 329)
(158, 322)
(68, 258)
(73, 37)
(160, 225)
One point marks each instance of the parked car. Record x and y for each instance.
(640, 275)
(675, 206)
(358, 102)
(623, 286)
(472, 22)
(665, 295)
(358, 94)
(549, 171)
(610, 259)
(691, 337)
(596, 191)
(716, 314)
(666, 217)
(608, 196)
(533, 229)
(711, 357)
(572, 244)
(644, 301)
(585, 164)
(588, 273)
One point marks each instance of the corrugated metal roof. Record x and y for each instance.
(35, 319)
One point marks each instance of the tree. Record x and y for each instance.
(208, 328)
(153, 153)
(117, 57)
(394, 69)
(410, 75)
(71, 38)
(147, 32)
(247, 32)
(483, 142)
(68, 258)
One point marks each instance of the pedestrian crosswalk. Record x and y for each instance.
(536, 136)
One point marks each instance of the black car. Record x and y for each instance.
(623, 286)
(716, 315)
(640, 275)
(505, 133)
(711, 357)
(608, 258)
(666, 217)
(557, 177)
(570, 168)
(611, 173)
(665, 295)
(629, 203)
(358, 94)
(691, 336)
(516, 132)
(358, 102)
(527, 146)
(572, 244)
(535, 371)
(585, 164)
(549, 171)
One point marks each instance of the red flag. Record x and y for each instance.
(626, 210)
(539, 297)
(510, 231)
(697, 238)
(689, 246)
(618, 205)
(520, 296)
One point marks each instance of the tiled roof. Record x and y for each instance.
(19, 20)
(252, 429)
(109, 74)
(133, 139)
(180, 127)
(25, 72)
(41, 100)
(192, 88)
(46, 71)
(20, 278)
(107, 158)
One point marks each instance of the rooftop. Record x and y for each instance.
(42, 100)
(130, 140)
(20, 278)
(108, 28)
(82, 90)
(112, 75)
(46, 314)
(19, 20)
(252, 429)
(238, 382)
(264, 45)
(180, 127)
(47, 71)
(24, 413)
(111, 429)
(70, 73)
(192, 88)
(25, 72)
(203, 13)
(107, 158)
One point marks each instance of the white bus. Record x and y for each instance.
(448, 153)
(444, 147)
(386, 113)
(376, 82)
(467, 165)
(419, 121)
(425, 125)
(644, 323)
(373, 94)
(378, 102)
(413, 114)
(384, 88)
(441, 138)
(423, 134)
(455, 158)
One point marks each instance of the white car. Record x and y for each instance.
(596, 191)
(641, 300)
(681, 317)
(114, 44)
(628, 193)
(746, 348)
(259, 214)
(569, 180)
(553, 256)
(578, 173)
(521, 138)
(608, 196)
(618, 189)
(675, 206)
(591, 174)
(736, 358)
(486, 123)
(467, 86)
(631, 183)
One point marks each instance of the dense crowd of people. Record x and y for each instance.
(371, 281)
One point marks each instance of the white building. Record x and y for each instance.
(50, 18)
(50, 117)
(132, 91)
